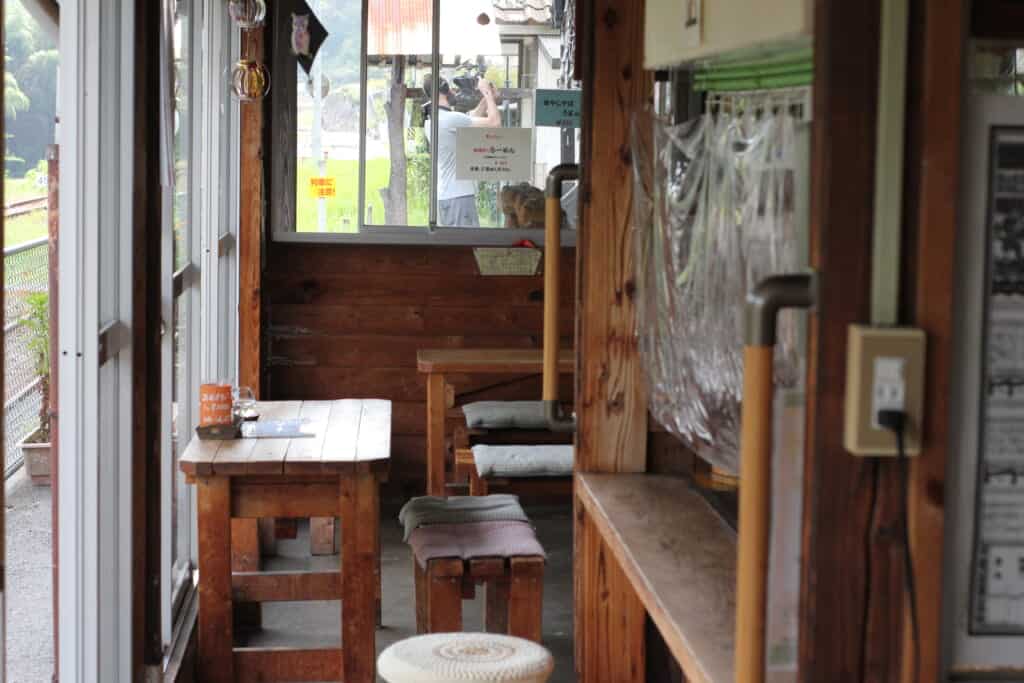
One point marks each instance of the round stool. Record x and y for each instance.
(471, 657)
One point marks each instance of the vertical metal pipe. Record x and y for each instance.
(435, 76)
(361, 200)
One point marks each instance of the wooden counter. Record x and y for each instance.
(680, 558)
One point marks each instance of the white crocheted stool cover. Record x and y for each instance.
(470, 657)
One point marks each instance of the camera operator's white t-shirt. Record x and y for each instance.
(448, 123)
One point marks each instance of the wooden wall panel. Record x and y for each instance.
(610, 642)
(347, 321)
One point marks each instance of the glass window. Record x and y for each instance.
(184, 309)
(364, 162)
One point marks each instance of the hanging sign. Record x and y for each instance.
(322, 188)
(559, 108)
(502, 154)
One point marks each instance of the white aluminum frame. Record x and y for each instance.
(95, 522)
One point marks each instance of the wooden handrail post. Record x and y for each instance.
(552, 294)
(763, 304)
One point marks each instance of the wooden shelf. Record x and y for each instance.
(680, 558)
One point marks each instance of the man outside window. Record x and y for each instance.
(456, 199)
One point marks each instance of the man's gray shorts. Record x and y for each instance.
(459, 212)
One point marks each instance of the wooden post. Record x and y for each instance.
(53, 221)
(846, 626)
(360, 571)
(933, 167)
(216, 627)
(436, 409)
(612, 403)
(611, 400)
(250, 233)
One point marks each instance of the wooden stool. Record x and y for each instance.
(469, 657)
(514, 594)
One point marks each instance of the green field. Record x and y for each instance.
(343, 208)
(27, 227)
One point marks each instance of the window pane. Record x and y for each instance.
(182, 133)
(327, 123)
(181, 515)
(395, 138)
(498, 135)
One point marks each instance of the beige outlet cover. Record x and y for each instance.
(900, 349)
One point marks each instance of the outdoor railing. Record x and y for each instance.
(26, 271)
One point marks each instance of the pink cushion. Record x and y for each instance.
(477, 539)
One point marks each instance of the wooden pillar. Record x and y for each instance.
(850, 614)
(610, 397)
(250, 231)
(933, 179)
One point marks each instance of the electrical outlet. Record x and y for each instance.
(884, 371)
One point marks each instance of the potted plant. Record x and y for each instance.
(36, 446)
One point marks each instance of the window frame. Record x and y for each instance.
(281, 155)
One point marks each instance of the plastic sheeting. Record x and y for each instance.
(715, 213)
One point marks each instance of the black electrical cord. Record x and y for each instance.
(895, 421)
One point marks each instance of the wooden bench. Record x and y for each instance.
(438, 364)
(513, 600)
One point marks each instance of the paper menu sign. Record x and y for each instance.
(559, 108)
(494, 154)
(281, 429)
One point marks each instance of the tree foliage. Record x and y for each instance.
(30, 97)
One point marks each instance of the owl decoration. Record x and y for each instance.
(308, 34)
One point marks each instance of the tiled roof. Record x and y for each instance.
(523, 12)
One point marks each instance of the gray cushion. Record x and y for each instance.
(524, 461)
(460, 510)
(505, 415)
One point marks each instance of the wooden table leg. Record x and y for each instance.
(216, 630)
(321, 536)
(360, 519)
(436, 409)
(246, 557)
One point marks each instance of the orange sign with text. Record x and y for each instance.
(322, 188)
(215, 405)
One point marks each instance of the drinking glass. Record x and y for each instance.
(245, 403)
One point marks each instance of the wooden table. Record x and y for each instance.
(436, 363)
(334, 474)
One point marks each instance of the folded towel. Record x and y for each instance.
(505, 415)
(524, 461)
(460, 510)
(479, 539)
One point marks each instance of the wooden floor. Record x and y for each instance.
(316, 624)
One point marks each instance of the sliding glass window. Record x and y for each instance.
(354, 154)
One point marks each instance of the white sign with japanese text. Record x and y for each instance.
(503, 154)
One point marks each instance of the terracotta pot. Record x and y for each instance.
(37, 460)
